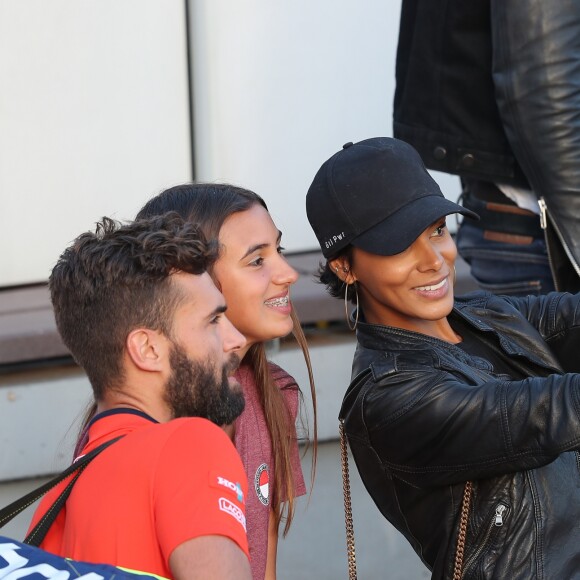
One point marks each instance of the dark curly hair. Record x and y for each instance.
(334, 285)
(117, 279)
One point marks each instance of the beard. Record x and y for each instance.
(196, 389)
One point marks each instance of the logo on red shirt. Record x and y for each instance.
(235, 487)
(233, 510)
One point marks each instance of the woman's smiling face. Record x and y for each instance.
(412, 290)
(254, 276)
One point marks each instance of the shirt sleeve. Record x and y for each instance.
(200, 487)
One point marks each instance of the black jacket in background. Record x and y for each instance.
(490, 89)
(428, 417)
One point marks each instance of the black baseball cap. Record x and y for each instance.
(376, 195)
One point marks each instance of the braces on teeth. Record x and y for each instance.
(278, 301)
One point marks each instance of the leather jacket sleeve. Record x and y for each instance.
(434, 422)
(536, 72)
(429, 428)
(557, 318)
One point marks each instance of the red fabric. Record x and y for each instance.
(254, 445)
(148, 493)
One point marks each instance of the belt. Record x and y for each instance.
(498, 213)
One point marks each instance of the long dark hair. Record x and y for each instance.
(209, 205)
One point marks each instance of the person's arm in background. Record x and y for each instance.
(209, 558)
(536, 73)
(272, 548)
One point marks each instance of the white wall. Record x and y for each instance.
(94, 113)
(93, 119)
(40, 416)
(280, 86)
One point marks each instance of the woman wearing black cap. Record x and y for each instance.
(463, 415)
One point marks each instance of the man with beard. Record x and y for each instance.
(138, 311)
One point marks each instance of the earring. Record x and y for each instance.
(346, 286)
(336, 269)
(454, 275)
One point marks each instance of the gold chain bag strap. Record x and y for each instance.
(352, 391)
(460, 551)
(350, 549)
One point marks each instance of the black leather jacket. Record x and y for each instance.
(428, 417)
(490, 89)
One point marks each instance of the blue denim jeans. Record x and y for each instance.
(501, 267)
(505, 268)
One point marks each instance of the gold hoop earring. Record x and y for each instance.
(454, 275)
(346, 286)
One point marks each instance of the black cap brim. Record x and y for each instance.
(397, 232)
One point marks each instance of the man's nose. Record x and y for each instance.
(233, 339)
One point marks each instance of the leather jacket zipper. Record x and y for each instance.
(499, 515)
(543, 213)
(496, 522)
(544, 226)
